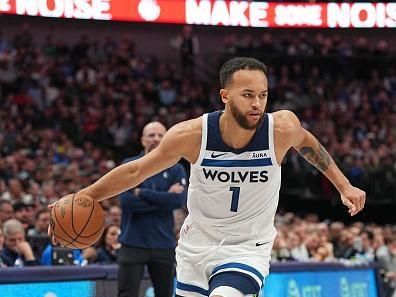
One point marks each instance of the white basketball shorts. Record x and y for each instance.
(207, 259)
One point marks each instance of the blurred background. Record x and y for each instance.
(76, 90)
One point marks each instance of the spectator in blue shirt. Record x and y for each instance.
(147, 222)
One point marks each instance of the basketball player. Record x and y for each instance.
(235, 155)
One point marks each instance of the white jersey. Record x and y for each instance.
(235, 191)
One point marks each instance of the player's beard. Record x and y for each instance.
(242, 119)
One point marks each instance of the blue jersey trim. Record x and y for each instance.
(239, 266)
(191, 288)
(236, 163)
(259, 141)
(235, 279)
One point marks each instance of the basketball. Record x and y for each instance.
(77, 221)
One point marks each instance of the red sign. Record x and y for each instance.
(214, 12)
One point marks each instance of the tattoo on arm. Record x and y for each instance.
(320, 159)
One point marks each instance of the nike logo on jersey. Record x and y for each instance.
(217, 155)
(261, 243)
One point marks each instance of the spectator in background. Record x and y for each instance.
(367, 250)
(188, 45)
(167, 93)
(15, 191)
(38, 236)
(280, 251)
(8, 73)
(6, 211)
(41, 223)
(24, 38)
(4, 44)
(387, 262)
(107, 248)
(345, 248)
(22, 213)
(325, 251)
(311, 242)
(1, 240)
(17, 251)
(147, 223)
(298, 250)
(86, 76)
(1, 247)
(114, 215)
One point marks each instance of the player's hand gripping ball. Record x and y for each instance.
(77, 221)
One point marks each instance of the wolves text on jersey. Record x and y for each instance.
(254, 176)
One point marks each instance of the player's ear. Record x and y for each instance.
(224, 95)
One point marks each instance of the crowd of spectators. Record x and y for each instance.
(70, 112)
(302, 43)
(307, 239)
(345, 93)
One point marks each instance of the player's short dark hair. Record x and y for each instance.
(239, 63)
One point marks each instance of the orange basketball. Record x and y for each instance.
(77, 221)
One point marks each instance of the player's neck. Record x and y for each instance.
(232, 133)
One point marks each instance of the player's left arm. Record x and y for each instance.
(314, 152)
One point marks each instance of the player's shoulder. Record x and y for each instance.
(285, 121)
(284, 114)
(183, 139)
(186, 130)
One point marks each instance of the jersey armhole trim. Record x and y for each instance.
(271, 140)
(203, 140)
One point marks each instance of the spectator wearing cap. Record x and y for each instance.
(17, 251)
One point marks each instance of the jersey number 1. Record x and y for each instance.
(235, 198)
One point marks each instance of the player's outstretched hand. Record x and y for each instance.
(53, 240)
(354, 199)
